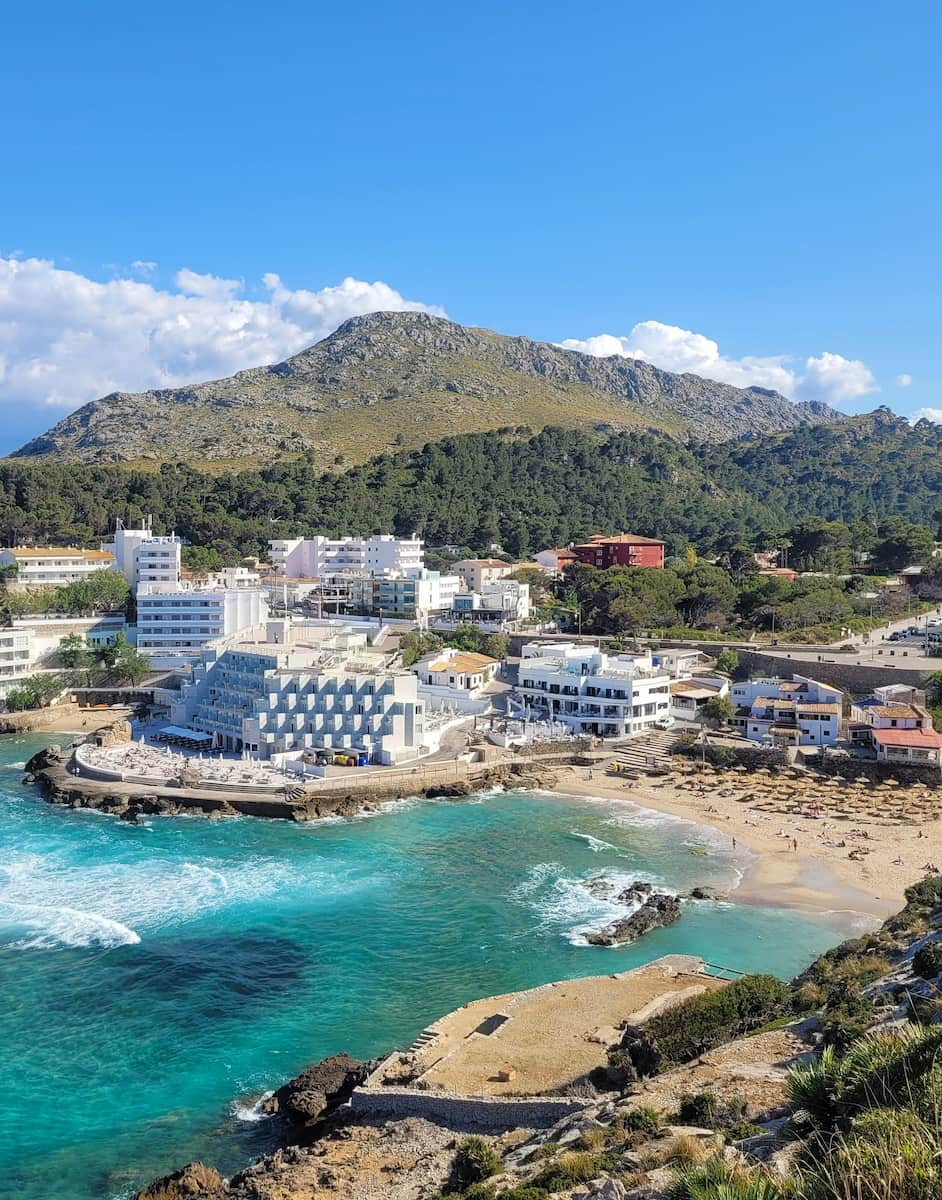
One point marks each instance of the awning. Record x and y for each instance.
(176, 733)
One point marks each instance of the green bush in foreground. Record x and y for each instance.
(696, 1025)
(475, 1161)
(927, 961)
(719, 1180)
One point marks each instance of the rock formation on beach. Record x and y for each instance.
(654, 910)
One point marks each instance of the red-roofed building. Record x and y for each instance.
(919, 747)
(621, 550)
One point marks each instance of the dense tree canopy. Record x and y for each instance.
(825, 495)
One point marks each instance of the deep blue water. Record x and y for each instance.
(152, 976)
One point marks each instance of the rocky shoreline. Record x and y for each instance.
(675, 1094)
(51, 771)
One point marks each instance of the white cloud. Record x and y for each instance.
(926, 414)
(66, 339)
(833, 378)
(141, 264)
(904, 380)
(829, 377)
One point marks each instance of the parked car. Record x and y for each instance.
(665, 723)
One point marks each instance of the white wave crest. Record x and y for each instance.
(597, 845)
(250, 1113)
(48, 927)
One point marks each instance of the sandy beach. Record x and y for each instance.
(819, 875)
(87, 720)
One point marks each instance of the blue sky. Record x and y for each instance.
(765, 177)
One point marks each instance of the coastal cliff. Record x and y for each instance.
(712, 1096)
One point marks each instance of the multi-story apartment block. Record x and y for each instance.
(317, 557)
(144, 558)
(621, 550)
(177, 623)
(594, 693)
(798, 711)
(52, 566)
(294, 691)
(417, 594)
(478, 573)
(16, 661)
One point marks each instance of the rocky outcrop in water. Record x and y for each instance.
(655, 909)
(318, 1090)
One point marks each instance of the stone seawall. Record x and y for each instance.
(37, 719)
(464, 1112)
(53, 772)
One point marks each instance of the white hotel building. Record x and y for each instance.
(52, 566)
(308, 687)
(144, 558)
(606, 695)
(175, 623)
(319, 557)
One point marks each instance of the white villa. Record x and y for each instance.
(458, 670)
(609, 695)
(306, 687)
(799, 711)
(894, 723)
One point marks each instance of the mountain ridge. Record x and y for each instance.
(404, 379)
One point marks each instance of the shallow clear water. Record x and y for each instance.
(151, 976)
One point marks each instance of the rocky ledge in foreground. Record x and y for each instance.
(655, 909)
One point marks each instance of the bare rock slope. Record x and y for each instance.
(405, 379)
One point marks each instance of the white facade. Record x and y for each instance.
(16, 661)
(178, 623)
(593, 692)
(143, 558)
(293, 691)
(799, 711)
(233, 577)
(315, 557)
(52, 566)
(416, 594)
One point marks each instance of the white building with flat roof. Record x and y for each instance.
(316, 557)
(16, 661)
(797, 711)
(606, 695)
(143, 557)
(52, 566)
(176, 623)
(305, 688)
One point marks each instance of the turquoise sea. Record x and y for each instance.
(155, 979)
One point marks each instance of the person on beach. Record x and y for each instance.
(795, 844)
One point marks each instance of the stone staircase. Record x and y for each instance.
(650, 752)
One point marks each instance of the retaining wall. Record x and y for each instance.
(37, 718)
(479, 1112)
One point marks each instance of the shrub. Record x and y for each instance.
(708, 1110)
(719, 1180)
(642, 1119)
(571, 1168)
(741, 1130)
(927, 961)
(887, 1155)
(475, 1161)
(696, 1025)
